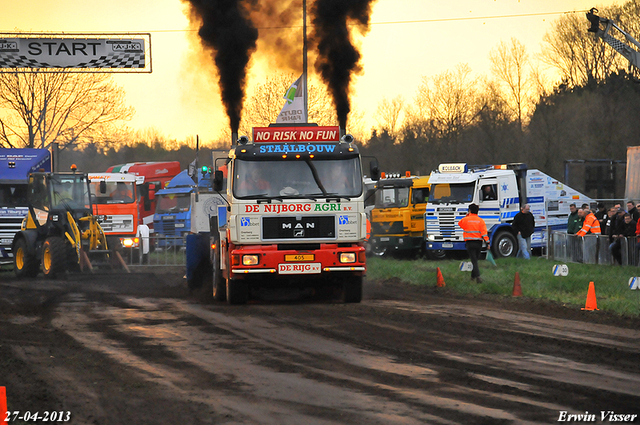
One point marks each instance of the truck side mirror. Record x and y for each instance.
(374, 170)
(218, 178)
(103, 186)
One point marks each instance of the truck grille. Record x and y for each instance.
(391, 227)
(301, 227)
(166, 227)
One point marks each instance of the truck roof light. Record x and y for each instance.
(312, 156)
(297, 156)
(347, 138)
(284, 156)
(243, 140)
(407, 173)
(73, 167)
(383, 175)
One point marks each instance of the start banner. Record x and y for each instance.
(45, 52)
(296, 134)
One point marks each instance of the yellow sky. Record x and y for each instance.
(395, 55)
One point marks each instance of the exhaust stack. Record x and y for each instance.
(234, 138)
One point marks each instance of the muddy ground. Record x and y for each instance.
(139, 349)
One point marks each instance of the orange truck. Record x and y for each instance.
(156, 176)
(116, 198)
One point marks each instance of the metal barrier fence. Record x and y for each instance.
(163, 251)
(592, 249)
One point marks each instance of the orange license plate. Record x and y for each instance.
(299, 257)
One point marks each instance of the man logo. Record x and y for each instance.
(298, 234)
(343, 219)
(245, 221)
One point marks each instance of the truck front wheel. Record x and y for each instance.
(54, 257)
(504, 245)
(352, 289)
(237, 291)
(25, 264)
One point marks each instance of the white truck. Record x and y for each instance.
(499, 190)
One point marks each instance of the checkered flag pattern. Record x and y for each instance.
(115, 60)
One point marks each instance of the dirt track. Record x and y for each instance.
(125, 349)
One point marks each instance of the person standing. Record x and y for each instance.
(474, 232)
(574, 224)
(633, 211)
(590, 224)
(626, 230)
(524, 224)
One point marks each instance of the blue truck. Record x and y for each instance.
(15, 166)
(180, 208)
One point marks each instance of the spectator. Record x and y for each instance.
(601, 214)
(625, 230)
(609, 224)
(474, 232)
(524, 224)
(574, 224)
(633, 211)
(590, 224)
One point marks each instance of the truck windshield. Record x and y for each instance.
(173, 203)
(392, 197)
(69, 191)
(13, 195)
(115, 193)
(297, 179)
(455, 193)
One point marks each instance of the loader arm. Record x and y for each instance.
(626, 49)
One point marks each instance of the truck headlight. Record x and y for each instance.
(129, 242)
(431, 238)
(250, 260)
(347, 257)
(54, 217)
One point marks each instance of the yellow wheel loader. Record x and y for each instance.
(60, 232)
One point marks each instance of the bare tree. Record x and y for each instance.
(447, 102)
(266, 101)
(388, 114)
(38, 108)
(509, 63)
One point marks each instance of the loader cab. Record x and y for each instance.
(60, 192)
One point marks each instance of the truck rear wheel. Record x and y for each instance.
(352, 289)
(504, 245)
(54, 257)
(237, 291)
(24, 263)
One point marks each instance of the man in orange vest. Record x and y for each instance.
(474, 232)
(591, 223)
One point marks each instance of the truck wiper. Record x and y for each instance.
(336, 196)
(262, 197)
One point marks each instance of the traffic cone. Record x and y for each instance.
(3, 403)
(591, 303)
(440, 283)
(517, 290)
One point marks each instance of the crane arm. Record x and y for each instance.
(625, 49)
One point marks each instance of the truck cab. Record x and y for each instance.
(116, 200)
(296, 212)
(397, 221)
(15, 167)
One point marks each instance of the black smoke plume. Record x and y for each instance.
(338, 59)
(230, 37)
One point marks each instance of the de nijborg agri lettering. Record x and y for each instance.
(283, 208)
(296, 148)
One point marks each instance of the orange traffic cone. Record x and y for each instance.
(440, 283)
(517, 290)
(591, 304)
(3, 403)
